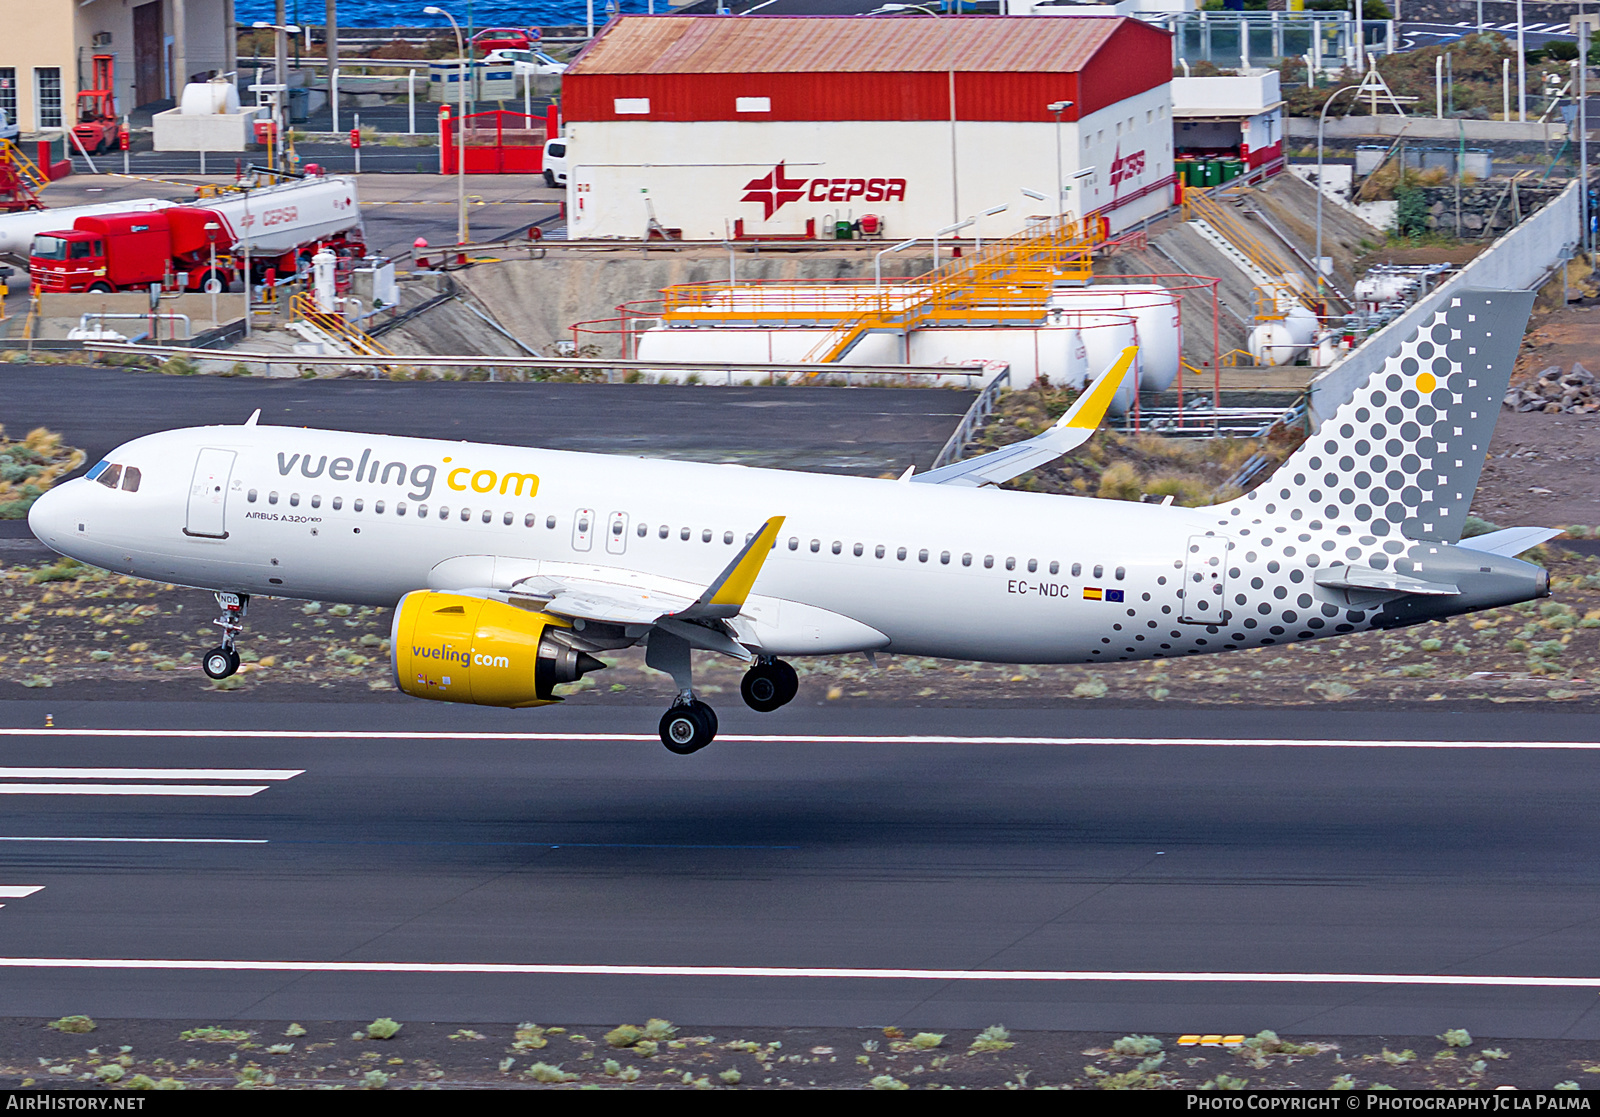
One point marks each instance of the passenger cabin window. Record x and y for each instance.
(900, 553)
(272, 498)
(358, 505)
(377, 507)
(550, 522)
(338, 503)
(727, 537)
(466, 514)
(837, 546)
(988, 562)
(944, 557)
(1122, 572)
(966, 560)
(857, 550)
(1033, 565)
(1099, 571)
(1055, 567)
(1011, 563)
(529, 520)
(794, 543)
(294, 500)
(878, 551)
(316, 501)
(422, 511)
(816, 545)
(642, 530)
(663, 531)
(705, 535)
(400, 508)
(683, 535)
(444, 511)
(250, 496)
(1077, 569)
(488, 516)
(922, 555)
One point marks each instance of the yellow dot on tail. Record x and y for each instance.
(1426, 383)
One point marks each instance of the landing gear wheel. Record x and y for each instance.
(688, 728)
(769, 685)
(220, 662)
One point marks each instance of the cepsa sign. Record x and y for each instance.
(775, 189)
(1127, 167)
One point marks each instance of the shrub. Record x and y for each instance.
(382, 1028)
(659, 1030)
(544, 1072)
(1139, 1045)
(76, 1025)
(1121, 481)
(625, 1035)
(925, 1041)
(992, 1038)
(887, 1082)
(1460, 1037)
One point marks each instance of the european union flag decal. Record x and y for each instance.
(1113, 595)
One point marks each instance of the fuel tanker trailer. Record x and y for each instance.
(200, 247)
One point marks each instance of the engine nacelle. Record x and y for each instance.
(454, 648)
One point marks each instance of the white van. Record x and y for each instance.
(555, 162)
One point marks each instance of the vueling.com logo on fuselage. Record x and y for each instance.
(420, 478)
(465, 658)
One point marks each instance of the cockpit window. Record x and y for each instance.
(109, 473)
(130, 479)
(110, 476)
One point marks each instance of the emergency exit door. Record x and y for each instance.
(208, 494)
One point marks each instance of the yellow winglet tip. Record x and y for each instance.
(1090, 410)
(737, 587)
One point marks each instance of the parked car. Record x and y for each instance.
(527, 62)
(555, 162)
(8, 130)
(505, 38)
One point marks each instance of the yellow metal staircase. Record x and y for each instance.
(1229, 224)
(1008, 281)
(333, 324)
(20, 178)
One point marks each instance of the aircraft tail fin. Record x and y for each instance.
(1403, 454)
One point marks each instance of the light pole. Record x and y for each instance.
(1322, 120)
(1583, 134)
(1059, 107)
(950, 73)
(946, 231)
(461, 128)
(977, 229)
(280, 61)
(1522, 68)
(877, 261)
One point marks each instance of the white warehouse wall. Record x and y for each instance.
(697, 176)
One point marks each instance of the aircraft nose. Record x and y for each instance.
(51, 516)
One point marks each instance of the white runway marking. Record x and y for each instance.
(17, 892)
(150, 773)
(791, 739)
(204, 789)
(512, 969)
(175, 841)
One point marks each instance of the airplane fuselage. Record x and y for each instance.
(861, 564)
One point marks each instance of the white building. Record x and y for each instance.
(780, 126)
(1230, 116)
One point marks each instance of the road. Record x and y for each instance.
(364, 868)
(859, 430)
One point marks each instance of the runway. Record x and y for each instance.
(1310, 871)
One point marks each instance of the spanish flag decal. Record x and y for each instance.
(1092, 593)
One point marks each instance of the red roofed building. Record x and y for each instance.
(786, 125)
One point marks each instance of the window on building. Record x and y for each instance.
(47, 96)
(8, 92)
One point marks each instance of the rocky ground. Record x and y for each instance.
(145, 1055)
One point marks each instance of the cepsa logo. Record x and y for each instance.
(1126, 167)
(775, 189)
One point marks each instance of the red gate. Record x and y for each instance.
(497, 142)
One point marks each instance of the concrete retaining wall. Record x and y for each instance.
(1517, 261)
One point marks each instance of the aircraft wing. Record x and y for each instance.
(658, 602)
(1067, 434)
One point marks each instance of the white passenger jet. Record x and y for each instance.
(512, 569)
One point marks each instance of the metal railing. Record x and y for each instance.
(980, 410)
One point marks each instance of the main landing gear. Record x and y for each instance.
(223, 660)
(690, 725)
(769, 684)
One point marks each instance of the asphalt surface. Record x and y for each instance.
(858, 430)
(821, 853)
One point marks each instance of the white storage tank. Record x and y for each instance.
(1155, 313)
(1283, 341)
(208, 98)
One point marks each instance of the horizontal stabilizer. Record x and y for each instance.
(1368, 580)
(1510, 542)
(1066, 435)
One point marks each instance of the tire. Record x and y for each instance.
(550, 179)
(791, 681)
(688, 728)
(213, 281)
(101, 288)
(762, 688)
(220, 662)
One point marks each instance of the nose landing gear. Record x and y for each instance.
(769, 684)
(223, 660)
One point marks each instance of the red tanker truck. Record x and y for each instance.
(180, 247)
